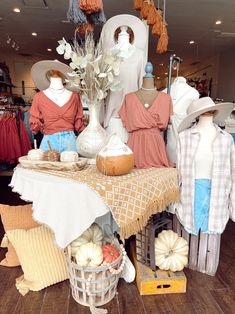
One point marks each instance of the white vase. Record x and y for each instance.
(94, 136)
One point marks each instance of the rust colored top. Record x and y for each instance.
(49, 118)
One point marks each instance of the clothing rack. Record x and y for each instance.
(173, 59)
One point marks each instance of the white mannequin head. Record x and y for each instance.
(124, 43)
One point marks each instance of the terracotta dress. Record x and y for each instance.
(144, 127)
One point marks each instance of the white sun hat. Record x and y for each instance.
(39, 72)
(134, 23)
(202, 105)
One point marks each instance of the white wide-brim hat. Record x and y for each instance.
(138, 27)
(202, 105)
(39, 72)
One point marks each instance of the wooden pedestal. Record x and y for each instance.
(204, 249)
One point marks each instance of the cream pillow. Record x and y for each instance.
(43, 263)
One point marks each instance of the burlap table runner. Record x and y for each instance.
(132, 198)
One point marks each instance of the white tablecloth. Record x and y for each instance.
(67, 207)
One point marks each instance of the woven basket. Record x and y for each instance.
(103, 284)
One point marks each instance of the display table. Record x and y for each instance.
(69, 202)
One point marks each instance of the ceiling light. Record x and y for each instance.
(218, 22)
(16, 10)
(34, 34)
(191, 42)
(166, 73)
(161, 64)
(158, 78)
(49, 49)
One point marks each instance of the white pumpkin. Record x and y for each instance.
(115, 158)
(35, 154)
(69, 156)
(93, 234)
(171, 251)
(89, 255)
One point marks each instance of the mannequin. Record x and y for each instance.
(182, 95)
(56, 112)
(204, 155)
(206, 165)
(133, 62)
(56, 90)
(145, 113)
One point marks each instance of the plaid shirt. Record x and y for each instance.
(222, 202)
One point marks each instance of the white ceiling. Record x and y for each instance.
(187, 20)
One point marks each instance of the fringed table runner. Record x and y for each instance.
(132, 198)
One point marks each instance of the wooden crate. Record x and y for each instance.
(157, 282)
(204, 249)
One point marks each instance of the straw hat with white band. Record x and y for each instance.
(202, 105)
(40, 69)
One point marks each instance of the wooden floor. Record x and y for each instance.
(205, 294)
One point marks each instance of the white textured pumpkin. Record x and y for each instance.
(35, 154)
(93, 234)
(89, 255)
(115, 158)
(171, 251)
(69, 156)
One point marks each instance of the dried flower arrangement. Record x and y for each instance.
(95, 72)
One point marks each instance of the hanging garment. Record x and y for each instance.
(222, 201)
(47, 117)
(60, 141)
(25, 144)
(144, 127)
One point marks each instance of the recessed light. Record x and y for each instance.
(191, 42)
(161, 64)
(218, 22)
(34, 34)
(49, 49)
(158, 78)
(16, 10)
(166, 73)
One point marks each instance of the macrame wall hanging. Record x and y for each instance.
(155, 17)
(86, 14)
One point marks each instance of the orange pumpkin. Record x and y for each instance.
(110, 253)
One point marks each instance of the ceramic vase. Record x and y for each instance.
(93, 137)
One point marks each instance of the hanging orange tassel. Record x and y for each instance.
(85, 28)
(138, 5)
(90, 6)
(157, 27)
(145, 9)
(163, 40)
(151, 14)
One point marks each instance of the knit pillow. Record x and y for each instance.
(15, 217)
(42, 262)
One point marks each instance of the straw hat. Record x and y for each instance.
(138, 27)
(40, 69)
(202, 105)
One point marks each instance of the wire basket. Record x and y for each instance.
(95, 286)
(145, 239)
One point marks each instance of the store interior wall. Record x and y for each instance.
(226, 81)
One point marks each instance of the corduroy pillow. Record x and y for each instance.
(15, 217)
(42, 262)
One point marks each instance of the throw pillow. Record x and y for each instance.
(42, 262)
(15, 217)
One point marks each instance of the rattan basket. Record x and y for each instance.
(94, 286)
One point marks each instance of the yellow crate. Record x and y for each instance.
(159, 282)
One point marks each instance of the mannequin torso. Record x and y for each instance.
(182, 95)
(148, 93)
(125, 48)
(204, 154)
(57, 92)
